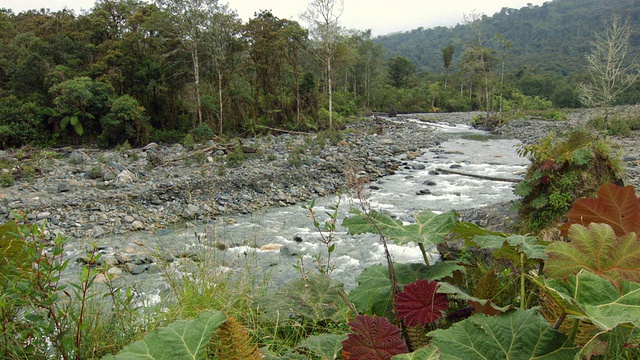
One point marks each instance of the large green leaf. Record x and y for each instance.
(315, 298)
(596, 299)
(480, 305)
(429, 229)
(519, 334)
(595, 248)
(373, 294)
(181, 340)
(428, 353)
(528, 245)
(325, 346)
(468, 231)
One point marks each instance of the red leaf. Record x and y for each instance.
(420, 304)
(616, 206)
(373, 338)
(547, 164)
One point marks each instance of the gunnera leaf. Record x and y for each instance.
(315, 298)
(426, 353)
(616, 206)
(595, 248)
(373, 338)
(518, 334)
(419, 303)
(183, 340)
(325, 346)
(429, 229)
(594, 298)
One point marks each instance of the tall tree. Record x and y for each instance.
(296, 45)
(447, 57)
(223, 44)
(611, 72)
(190, 19)
(478, 58)
(323, 17)
(400, 71)
(266, 49)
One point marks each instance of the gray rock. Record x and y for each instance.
(64, 186)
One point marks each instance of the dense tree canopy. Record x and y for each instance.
(137, 71)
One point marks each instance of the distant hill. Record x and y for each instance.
(551, 38)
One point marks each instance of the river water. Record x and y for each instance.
(267, 244)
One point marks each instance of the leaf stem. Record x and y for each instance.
(574, 329)
(523, 302)
(424, 254)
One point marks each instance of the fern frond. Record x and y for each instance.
(488, 286)
(233, 342)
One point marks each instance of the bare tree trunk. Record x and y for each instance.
(220, 120)
(196, 75)
(329, 85)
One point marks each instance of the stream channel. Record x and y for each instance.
(272, 241)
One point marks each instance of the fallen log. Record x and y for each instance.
(484, 177)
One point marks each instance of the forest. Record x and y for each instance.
(130, 71)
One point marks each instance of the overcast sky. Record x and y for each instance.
(381, 16)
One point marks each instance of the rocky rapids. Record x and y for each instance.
(95, 196)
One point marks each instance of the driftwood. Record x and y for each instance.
(285, 131)
(484, 177)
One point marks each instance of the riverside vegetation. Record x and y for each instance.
(577, 298)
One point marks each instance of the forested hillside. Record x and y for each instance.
(131, 71)
(553, 37)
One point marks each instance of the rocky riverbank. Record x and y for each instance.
(88, 193)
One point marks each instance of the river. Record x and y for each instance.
(272, 241)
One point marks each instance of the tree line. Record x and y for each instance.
(133, 71)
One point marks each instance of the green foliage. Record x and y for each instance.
(519, 334)
(429, 229)
(236, 157)
(6, 179)
(595, 248)
(126, 121)
(44, 317)
(20, 123)
(187, 141)
(562, 171)
(325, 346)
(309, 300)
(430, 353)
(79, 102)
(183, 339)
(591, 297)
(203, 133)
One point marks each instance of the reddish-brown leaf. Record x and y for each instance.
(616, 206)
(373, 338)
(419, 303)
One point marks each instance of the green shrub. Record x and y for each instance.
(187, 141)
(562, 171)
(619, 126)
(6, 179)
(236, 157)
(203, 133)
